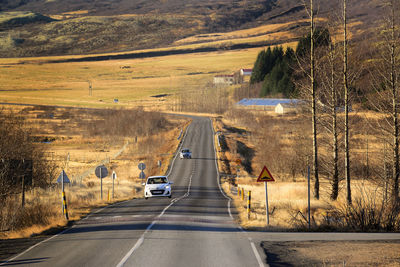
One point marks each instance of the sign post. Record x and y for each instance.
(63, 179)
(101, 172)
(142, 167)
(159, 165)
(114, 176)
(265, 176)
(238, 162)
(308, 191)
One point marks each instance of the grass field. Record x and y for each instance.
(132, 82)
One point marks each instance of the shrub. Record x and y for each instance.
(20, 157)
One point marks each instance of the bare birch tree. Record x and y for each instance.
(330, 98)
(395, 99)
(313, 102)
(385, 81)
(346, 106)
(307, 87)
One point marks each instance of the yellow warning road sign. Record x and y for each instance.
(265, 176)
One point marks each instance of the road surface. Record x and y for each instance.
(196, 227)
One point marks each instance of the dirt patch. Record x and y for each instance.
(333, 253)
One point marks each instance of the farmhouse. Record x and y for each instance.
(244, 75)
(224, 79)
(246, 72)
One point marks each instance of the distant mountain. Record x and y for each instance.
(95, 26)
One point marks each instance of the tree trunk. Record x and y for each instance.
(313, 106)
(346, 107)
(335, 171)
(393, 84)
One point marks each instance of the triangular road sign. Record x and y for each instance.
(66, 180)
(265, 176)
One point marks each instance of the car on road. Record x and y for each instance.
(157, 186)
(185, 154)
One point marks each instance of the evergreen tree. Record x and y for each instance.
(278, 80)
(256, 75)
(321, 38)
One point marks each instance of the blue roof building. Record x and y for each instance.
(266, 102)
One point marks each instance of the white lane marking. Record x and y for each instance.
(177, 153)
(229, 202)
(141, 239)
(136, 246)
(63, 232)
(32, 247)
(216, 167)
(260, 263)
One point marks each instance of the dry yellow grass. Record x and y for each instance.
(271, 32)
(285, 200)
(80, 201)
(67, 83)
(288, 195)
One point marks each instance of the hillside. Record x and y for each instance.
(84, 27)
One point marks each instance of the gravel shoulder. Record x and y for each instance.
(333, 253)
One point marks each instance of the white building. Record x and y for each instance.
(224, 79)
(283, 108)
(246, 72)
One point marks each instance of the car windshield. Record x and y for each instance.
(185, 150)
(157, 180)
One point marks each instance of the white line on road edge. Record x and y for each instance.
(63, 232)
(216, 167)
(141, 239)
(255, 251)
(32, 247)
(257, 254)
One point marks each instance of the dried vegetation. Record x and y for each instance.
(283, 143)
(78, 140)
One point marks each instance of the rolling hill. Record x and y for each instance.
(63, 27)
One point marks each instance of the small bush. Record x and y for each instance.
(13, 217)
(366, 214)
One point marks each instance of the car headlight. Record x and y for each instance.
(168, 187)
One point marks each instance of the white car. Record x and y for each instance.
(157, 186)
(185, 154)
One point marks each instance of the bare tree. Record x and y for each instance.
(385, 81)
(330, 98)
(395, 91)
(313, 102)
(23, 164)
(307, 87)
(346, 105)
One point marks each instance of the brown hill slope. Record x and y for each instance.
(98, 26)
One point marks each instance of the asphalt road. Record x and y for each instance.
(196, 227)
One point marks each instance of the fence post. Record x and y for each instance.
(248, 205)
(242, 194)
(65, 210)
